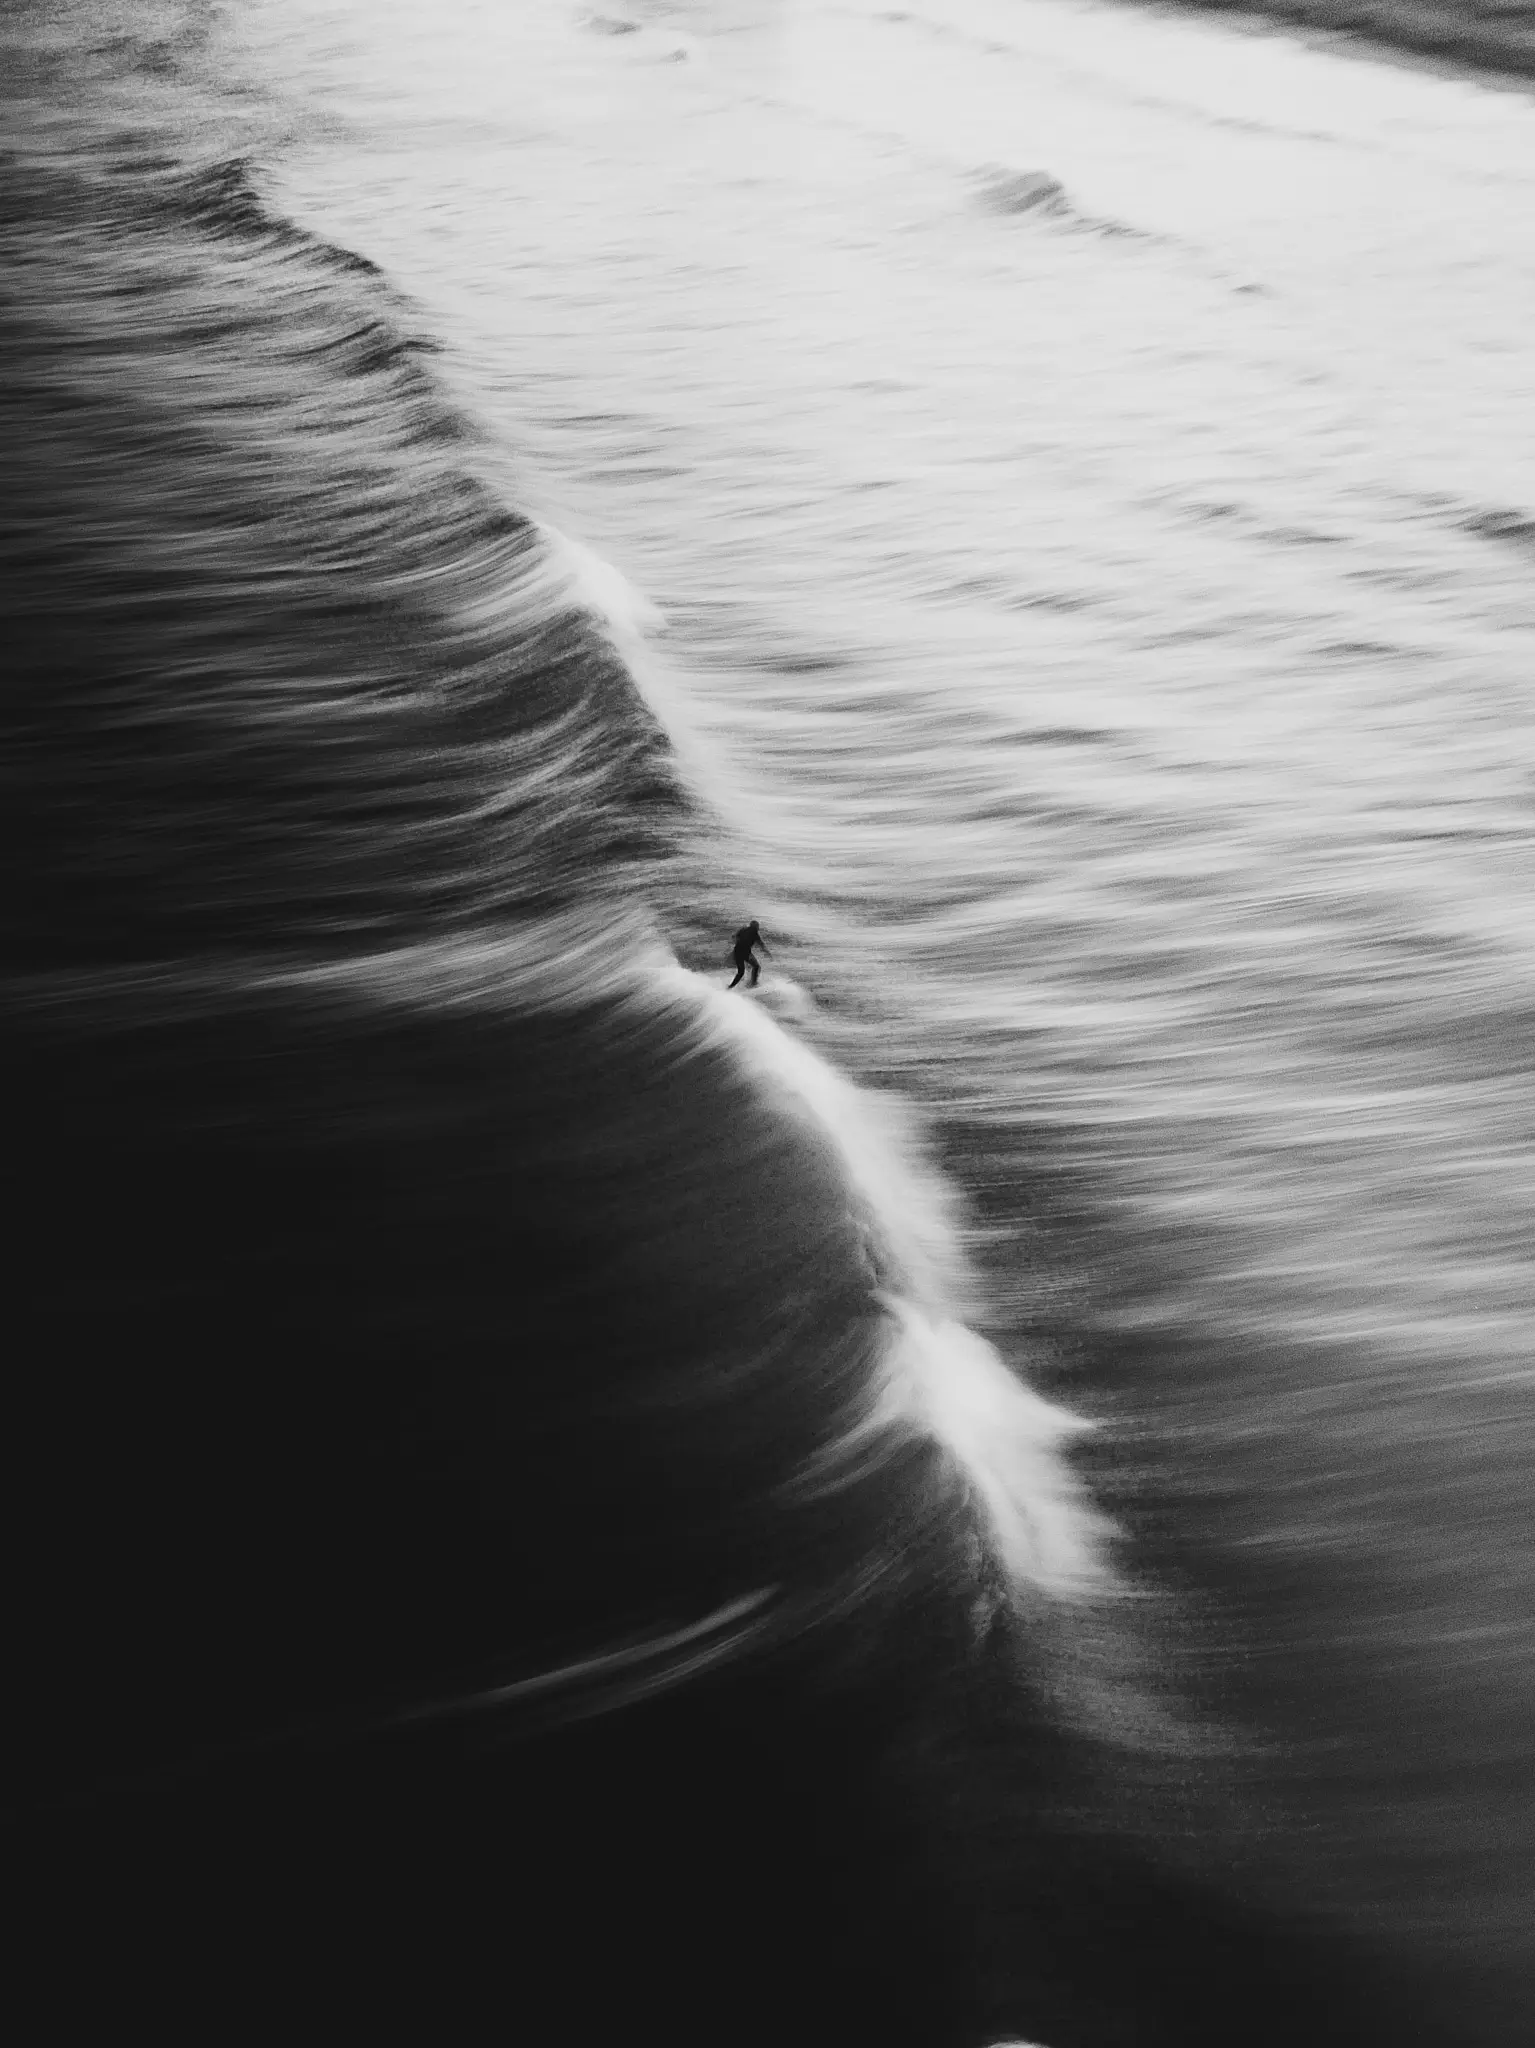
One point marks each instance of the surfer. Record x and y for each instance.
(747, 937)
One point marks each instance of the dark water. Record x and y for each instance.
(453, 1296)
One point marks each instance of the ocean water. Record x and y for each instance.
(1042, 499)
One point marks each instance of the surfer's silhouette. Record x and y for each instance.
(747, 937)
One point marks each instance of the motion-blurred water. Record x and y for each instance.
(1101, 607)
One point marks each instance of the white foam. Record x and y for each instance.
(940, 1377)
(569, 575)
(1007, 1440)
(912, 1207)
(601, 589)
(786, 999)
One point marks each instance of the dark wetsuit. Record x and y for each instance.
(747, 937)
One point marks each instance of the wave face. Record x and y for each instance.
(467, 1329)
(547, 1499)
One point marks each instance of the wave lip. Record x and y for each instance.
(1002, 1442)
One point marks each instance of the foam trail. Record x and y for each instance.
(938, 1377)
(601, 589)
(1007, 1441)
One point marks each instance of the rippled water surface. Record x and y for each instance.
(1115, 606)
(1104, 605)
